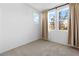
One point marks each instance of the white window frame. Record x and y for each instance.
(59, 9)
(57, 17)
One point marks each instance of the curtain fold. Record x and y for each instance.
(73, 33)
(45, 25)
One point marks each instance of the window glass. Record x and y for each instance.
(63, 14)
(63, 18)
(51, 19)
(63, 25)
(36, 17)
(58, 18)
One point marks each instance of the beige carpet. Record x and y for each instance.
(42, 48)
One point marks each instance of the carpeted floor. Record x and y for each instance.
(42, 48)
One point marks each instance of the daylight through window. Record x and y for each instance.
(58, 18)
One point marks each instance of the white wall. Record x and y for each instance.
(17, 26)
(58, 36)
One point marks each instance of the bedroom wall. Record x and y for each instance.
(17, 26)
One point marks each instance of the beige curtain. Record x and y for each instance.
(45, 25)
(73, 37)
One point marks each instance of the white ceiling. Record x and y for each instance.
(43, 6)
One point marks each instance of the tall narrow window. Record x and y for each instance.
(36, 17)
(51, 19)
(63, 17)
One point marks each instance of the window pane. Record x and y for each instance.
(51, 25)
(51, 19)
(63, 25)
(64, 14)
(36, 18)
(63, 18)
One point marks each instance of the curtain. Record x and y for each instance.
(73, 33)
(45, 25)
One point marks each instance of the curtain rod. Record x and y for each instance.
(58, 6)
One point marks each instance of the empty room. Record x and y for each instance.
(39, 29)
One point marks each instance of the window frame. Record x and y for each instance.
(52, 21)
(59, 9)
(35, 20)
(57, 18)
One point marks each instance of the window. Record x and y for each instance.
(36, 17)
(51, 19)
(58, 18)
(63, 18)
